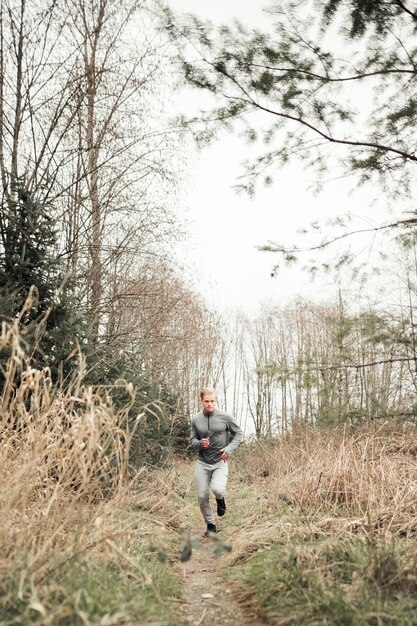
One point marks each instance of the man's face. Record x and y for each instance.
(208, 402)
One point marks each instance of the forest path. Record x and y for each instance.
(208, 599)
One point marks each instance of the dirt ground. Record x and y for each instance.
(208, 600)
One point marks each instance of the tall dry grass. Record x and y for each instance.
(63, 461)
(367, 475)
(327, 526)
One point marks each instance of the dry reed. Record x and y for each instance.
(63, 462)
(366, 475)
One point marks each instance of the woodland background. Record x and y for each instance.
(105, 341)
(92, 164)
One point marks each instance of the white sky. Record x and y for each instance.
(226, 227)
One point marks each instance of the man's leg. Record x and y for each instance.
(219, 484)
(202, 475)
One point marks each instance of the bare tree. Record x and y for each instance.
(83, 117)
(33, 102)
(175, 337)
(124, 141)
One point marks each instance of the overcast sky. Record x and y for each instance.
(226, 228)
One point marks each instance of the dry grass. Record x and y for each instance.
(366, 476)
(324, 526)
(66, 520)
(79, 543)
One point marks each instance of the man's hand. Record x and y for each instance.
(205, 442)
(224, 456)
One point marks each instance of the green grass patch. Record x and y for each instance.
(89, 589)
(338, 581)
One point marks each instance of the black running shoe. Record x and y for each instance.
(221, 507)
(211, 528)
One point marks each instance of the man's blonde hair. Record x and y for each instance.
(206, 391)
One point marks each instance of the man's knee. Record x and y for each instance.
(219, 492)
(203, 496)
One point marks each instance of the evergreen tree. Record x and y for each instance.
(157, 422)
(33, 287)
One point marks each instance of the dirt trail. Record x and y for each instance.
(207, 599)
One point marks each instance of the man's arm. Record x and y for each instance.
(195, 437)
(237, 436)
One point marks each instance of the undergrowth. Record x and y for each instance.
(321, 525)
(91, 590)
(76, 537)
(326, 534)
(340, 582)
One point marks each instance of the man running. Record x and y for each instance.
(214, 434)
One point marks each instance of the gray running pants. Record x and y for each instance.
(210, 476)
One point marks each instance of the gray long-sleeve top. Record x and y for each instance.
(223, 431)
